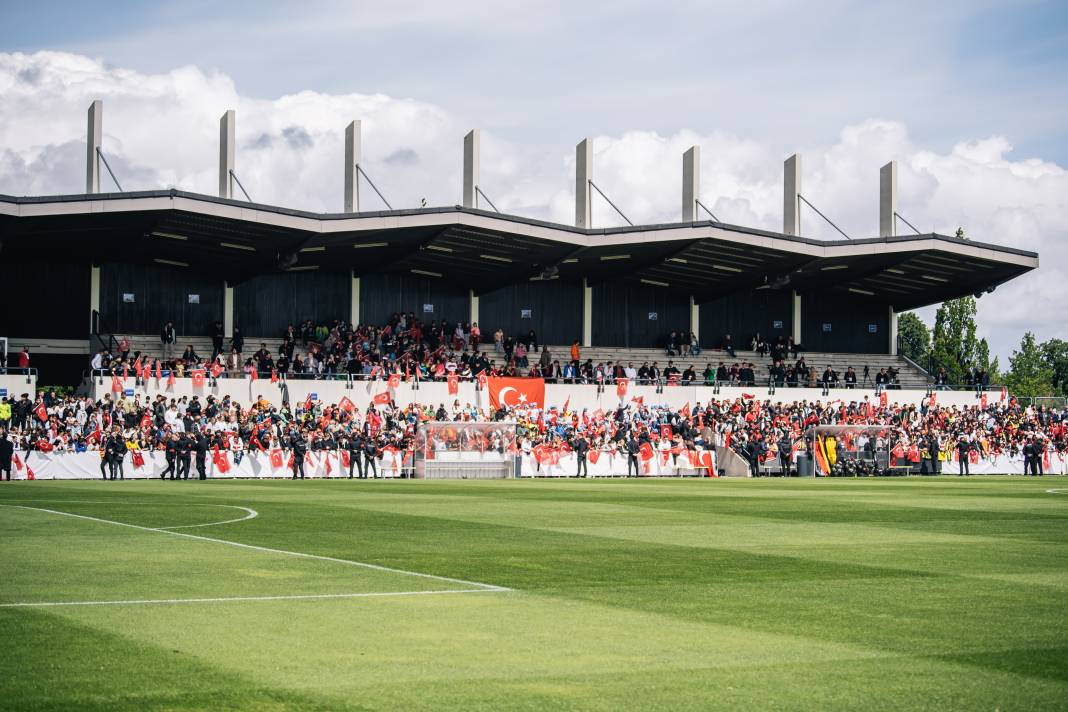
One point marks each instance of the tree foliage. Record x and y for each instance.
(914, 336)
(1029, 372)
(954, 346)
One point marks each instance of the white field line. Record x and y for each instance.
(252, 547)
(252, 514)
(231, 599)
(1057, 491)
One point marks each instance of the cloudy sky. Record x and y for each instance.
(969, 97)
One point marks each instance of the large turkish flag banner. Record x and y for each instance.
(513, 392)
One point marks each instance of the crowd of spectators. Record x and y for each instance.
(434, 351)
(758, 430)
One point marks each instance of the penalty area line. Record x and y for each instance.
(269, 550)
(235, 599)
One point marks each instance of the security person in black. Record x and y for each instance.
(7, 450)
(185, 455)
(633, 448)
(200, 447)
(355, 449)
(170, 452)
(370, 451)
(581, 448)
(114, 452)
(785, 446)
(299, 446)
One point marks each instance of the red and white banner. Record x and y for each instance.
(513, 392)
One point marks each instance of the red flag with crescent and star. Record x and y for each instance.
(516, 392)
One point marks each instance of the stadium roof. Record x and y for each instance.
(487, 250)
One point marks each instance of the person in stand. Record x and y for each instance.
(185, 455)
(370, 452)
(581, 448)
(786, 448)
(237, 341)
(633, 448)
(217, 336)
(167, 338)
(7, 450)
(200, 447)
(170, 453)
(299, 446)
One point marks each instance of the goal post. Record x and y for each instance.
(465, 450)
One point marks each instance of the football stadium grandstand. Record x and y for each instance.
(178, 308)
(617, 401)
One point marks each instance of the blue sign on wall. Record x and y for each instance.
(314, 396)
(3, 393)
(128, 392)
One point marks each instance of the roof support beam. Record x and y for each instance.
(352, 159)
(472, 143)
(691, 183)
(583, 176)
(888, 199)
(791, 187)
(227, 133)
(94, 136)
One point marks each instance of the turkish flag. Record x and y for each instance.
(394, 380)
(883, 399)
(621, 387)
(382, 398)
(511, 392)
(982, 401)
(594, 456)
(146, 421)
(138, 369)
(274, 376)
(346, 405)
(198, 378)
(1004, 393)
(706, 461)
(276, 458)
(329, 468)
(253, 374)
(216, 369)
(41, 412)
(138, 459)
(29, 473)
(116, 384)
(345, 459)
(170, 378)
(665, 431)
(222, 464)
(454, 384)
(646, 451)
(482, 381)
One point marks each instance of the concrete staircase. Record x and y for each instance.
(910, 376)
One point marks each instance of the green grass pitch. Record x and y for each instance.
(537, 595)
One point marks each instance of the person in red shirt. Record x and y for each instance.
(24, 357)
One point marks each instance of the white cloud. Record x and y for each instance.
(162, 130)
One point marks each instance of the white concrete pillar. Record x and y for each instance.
(583, 176)
(796, 322)
(227, 125)
(887, 199)
(352, 158)
(354, 303)
(587, 313)
(92, 144)
(691, 183)
(94, 293)
(471, 160)
(791, 187)
(695, 318)
(228, 310)
(473, 309)
(892, 332)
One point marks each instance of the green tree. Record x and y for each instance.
(1055, 354)
(1029, 375)
(954, 345)
(915, 337)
